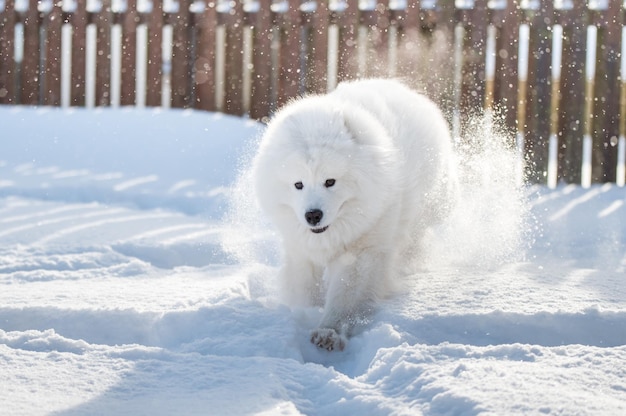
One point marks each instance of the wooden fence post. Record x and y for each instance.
(29, 68)
(473, 88)
(537, 123)
(555, 98)
(7, 57)
(260, 94)
(181, 55)
(103, 20)
(460, 52)
(410, 35)
(154, 76)
(129, 51)
(51, 76)
(571, 92)
(289, 61)
(233, 22)
(606, 102)
(369, 42)
(204, 66)
(620, 174)
(79, 23)
(506, 64)
(348, 22)
(316, 24)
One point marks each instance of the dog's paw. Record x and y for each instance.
(328, 339)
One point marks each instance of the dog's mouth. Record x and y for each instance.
(319, 230)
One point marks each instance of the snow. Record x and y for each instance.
(137, 277)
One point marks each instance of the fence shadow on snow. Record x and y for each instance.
(553, 71)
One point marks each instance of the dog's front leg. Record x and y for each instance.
(300, 280)
(354, 284)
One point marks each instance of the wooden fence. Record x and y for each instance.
(553, 72)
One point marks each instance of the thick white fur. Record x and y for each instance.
(389, 151)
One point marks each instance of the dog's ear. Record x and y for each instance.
(363, 126)
(368, 132)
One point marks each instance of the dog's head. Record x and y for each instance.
(324, 169)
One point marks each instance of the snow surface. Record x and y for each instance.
(136, 277)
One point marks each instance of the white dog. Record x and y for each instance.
(352, 179)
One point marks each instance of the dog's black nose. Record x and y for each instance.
(314, 216)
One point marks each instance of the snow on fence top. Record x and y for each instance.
(553, 71)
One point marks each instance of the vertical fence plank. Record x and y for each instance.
(129, 51)
(491, 54)
(382, 57)
(620, 174)
(572, 90)
(154, 21)
(204, 66)
(425, 57)
(409, 26)
(522, 93)
(51, 76)
(91, 54)
(591, 57)
(260, 93)
(29, 83)
(501, 13)
(538, 106)
(555, 97)
(317, 23)
(7, 57)
(367, 41)
(103, 20)
(410, 32)
(606, 109)
(233, 97)
(289, 60)
(118, 8)
(473, 98)
(506, 64)
(79, 25)
(395, 15)
(181, 54)
(460, 52)
(348, 21)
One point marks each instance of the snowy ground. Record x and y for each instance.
(117, 295)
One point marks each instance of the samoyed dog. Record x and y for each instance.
(352, 180)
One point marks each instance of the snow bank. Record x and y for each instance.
(178, 159)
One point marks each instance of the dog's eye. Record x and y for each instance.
(298, 185)
(329, 183)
